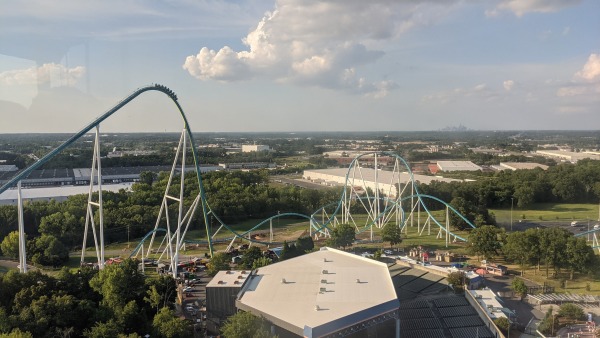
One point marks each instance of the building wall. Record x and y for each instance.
(220, 301)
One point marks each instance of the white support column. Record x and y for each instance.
(22, 238)
(179, 216)
(96, 174)
(447, 226)
(376, 201)
(100, 209)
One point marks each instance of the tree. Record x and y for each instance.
(245, 325)
(456, 279)
(253, 253)
(259, 263)
(485, 241)
(119, 284)
(305, 244)
(522, 247)
(161, 291)
(342, 235)
(148, 177)
(288, 251)
(103, 330)
(16, 333)
(167, 325)
(503, 324)
(519, 286)
(48, 250)
(218, 262)
(10, 245)
(62, 225)
(553, 242)
(391, 233)
(579, 256)
(571, 311)
(549, 324)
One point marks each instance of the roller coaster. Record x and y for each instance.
(370, 199)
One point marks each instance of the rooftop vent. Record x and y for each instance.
(325, 260)
(237, 282)
(323, 290)
(229, 272)
(325, 272)
(220, 282)
(240, 277)
(283, 281)
(317, 308)
(358, 281)
(323, 281)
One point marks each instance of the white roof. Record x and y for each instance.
(522, 165)
(383, 176)
(458, 166)
(320, 292)
(229, 279)
(487, 299)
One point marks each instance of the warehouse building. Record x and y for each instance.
(327, 293)
(221, 293)
(386, 180)
(457, 166)
(521, 165)
(248, 148)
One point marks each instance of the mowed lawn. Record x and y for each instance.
(550, 212)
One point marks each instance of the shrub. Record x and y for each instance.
(571, 311)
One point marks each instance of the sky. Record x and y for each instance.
(301, 65)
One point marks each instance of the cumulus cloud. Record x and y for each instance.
(522, 7)
(48, 73)
(585, 81)
(591, 70)
(508, 84)
(315, 43)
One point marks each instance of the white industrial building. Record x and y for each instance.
(327, 293)
(248, 148)
(521, 165)
(386, 180)
(569, 156)
(457, 166)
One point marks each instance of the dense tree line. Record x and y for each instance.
(117, 301)
(54, 228)
(564, 183)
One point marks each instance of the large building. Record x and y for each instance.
(248, 148)
(569, 156)
(327, 293)
(521, 165)
(386, 180)
(457, 166)
(221, 293)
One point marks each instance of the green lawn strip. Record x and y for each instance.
(550, 212)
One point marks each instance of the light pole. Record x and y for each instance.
(512, 202)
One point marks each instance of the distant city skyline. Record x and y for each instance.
(297, 65)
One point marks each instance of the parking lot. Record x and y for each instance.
(193, 296)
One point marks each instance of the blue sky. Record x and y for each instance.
(300, 65)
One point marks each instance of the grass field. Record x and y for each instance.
(550, 212)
